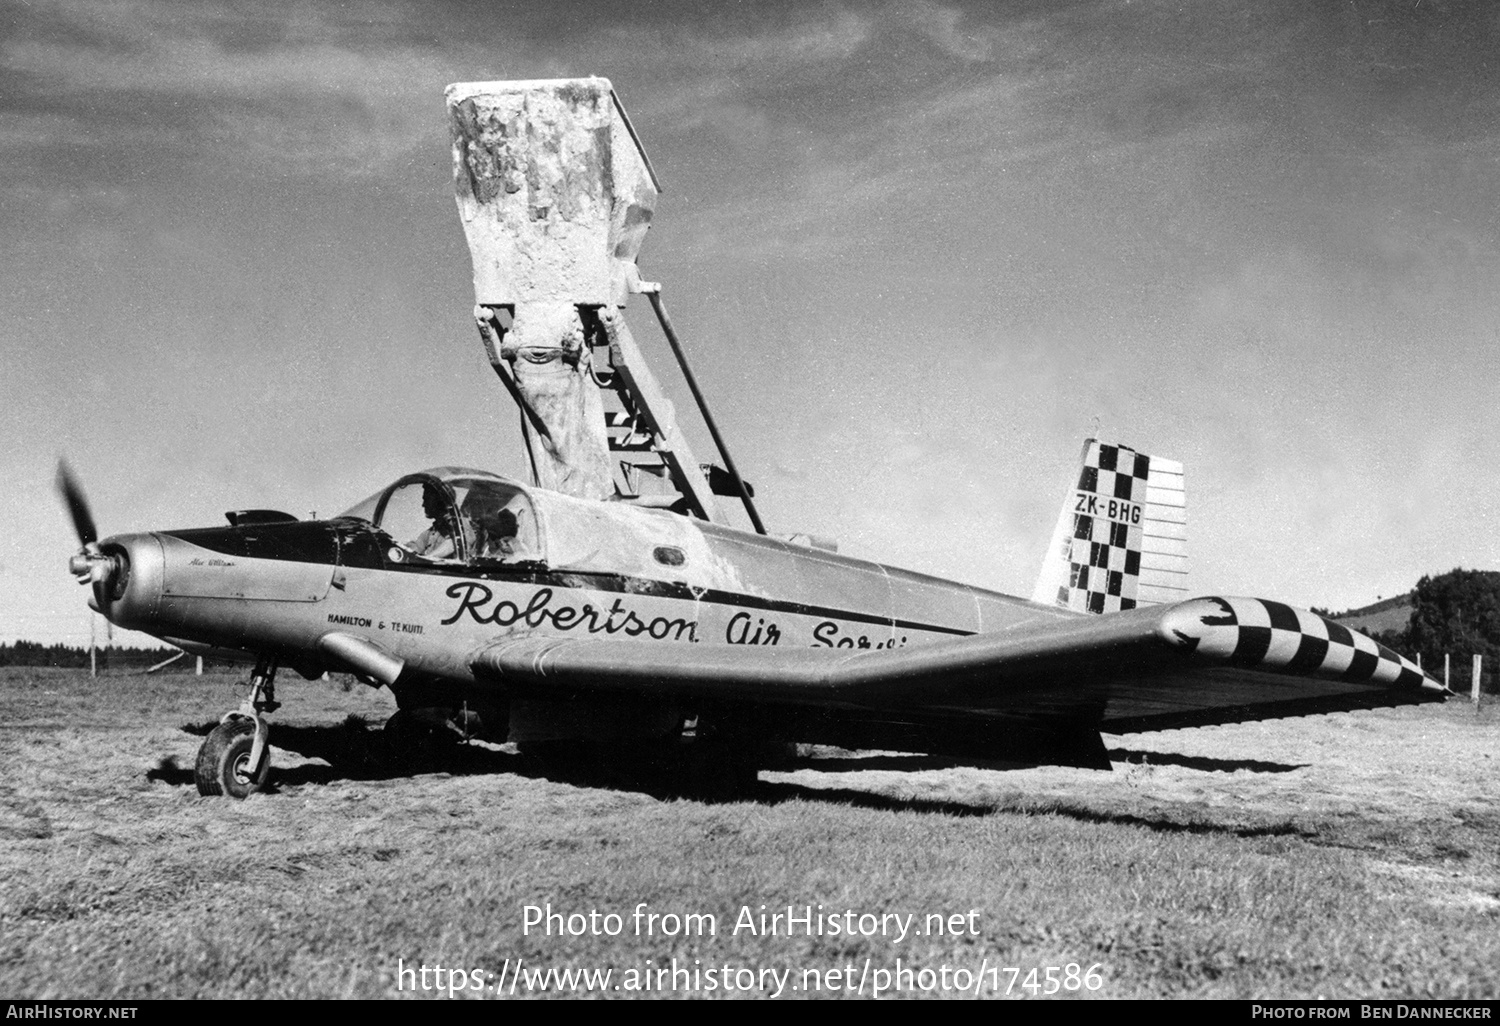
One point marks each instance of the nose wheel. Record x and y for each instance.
(226, 763)
(235, 758)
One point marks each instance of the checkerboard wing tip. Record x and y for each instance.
(1264, 635)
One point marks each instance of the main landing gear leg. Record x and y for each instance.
(236, 757)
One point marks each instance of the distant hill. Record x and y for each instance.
(1390, 614)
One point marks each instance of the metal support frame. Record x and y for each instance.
(652, 419)
(643, 432)
(713, 429)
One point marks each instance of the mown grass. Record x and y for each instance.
(1319, 858)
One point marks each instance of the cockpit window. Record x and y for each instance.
(418, 515)
(498, 521)
(453, 515)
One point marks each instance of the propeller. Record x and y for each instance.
(90, 565)
(78, 505)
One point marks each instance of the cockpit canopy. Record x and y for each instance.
(453, 514)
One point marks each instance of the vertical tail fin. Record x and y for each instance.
(1121, 537)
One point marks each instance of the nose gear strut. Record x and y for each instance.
(235, 758)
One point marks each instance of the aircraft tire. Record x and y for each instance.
(223, 765)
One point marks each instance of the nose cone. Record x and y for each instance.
(128, 592)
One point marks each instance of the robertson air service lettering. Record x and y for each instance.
(825, 635)
(479, 602)
(741, 632)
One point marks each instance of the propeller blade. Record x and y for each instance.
(78, 505)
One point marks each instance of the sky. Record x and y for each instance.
(917, 253)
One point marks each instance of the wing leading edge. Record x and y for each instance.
(1208, 660)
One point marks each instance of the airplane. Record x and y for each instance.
(625, 626)
(568, 611)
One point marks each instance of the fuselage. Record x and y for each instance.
(309, 593)
(601, 569)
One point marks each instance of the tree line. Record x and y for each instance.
(1455, 614)
(34, 653)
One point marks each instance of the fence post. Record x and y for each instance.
(200, 666)
(1446, 686)
(1474, 688)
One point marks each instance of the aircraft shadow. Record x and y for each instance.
(352, 751)
(168, 772)
(776, 792)
(912, 763)
(861, 763)
(1199, 762)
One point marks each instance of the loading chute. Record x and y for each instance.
(556, 195)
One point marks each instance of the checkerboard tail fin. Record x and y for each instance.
(1121, 537)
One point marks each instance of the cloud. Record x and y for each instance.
(942, 26)
(292, 90)
(316, 90)
(765, 52)
(205, 49)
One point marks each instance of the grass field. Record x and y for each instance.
(1355, 855)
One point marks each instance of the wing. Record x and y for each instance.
(1208, 660)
